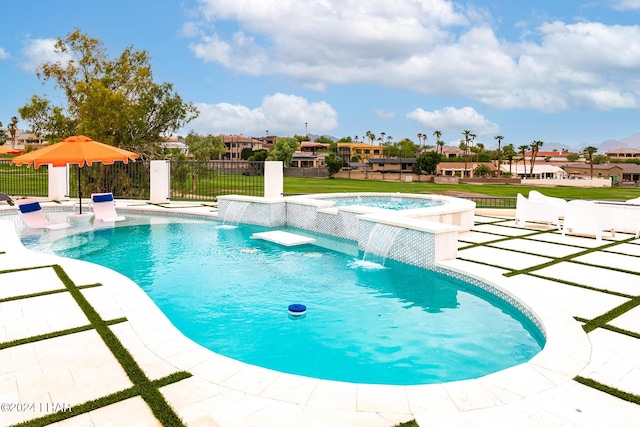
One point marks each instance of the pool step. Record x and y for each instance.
(283, 238)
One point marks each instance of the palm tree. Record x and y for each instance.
(467, 135)
(439, 143)
(590, 151)
(13, 128)
(355, 138)
(535, 147)
(499, 138)
(523, 149)
(509, 153)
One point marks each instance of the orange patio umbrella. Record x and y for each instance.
(8, 150)
(75, 150)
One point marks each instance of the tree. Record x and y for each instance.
(590, 151)
(283, 150)
(3, 134)
(573, 157)
(509, 152)
(258, 156)
(499, 138)
(439, 143)
(13, 128)
(428, 162)
(205, 147)
(246, 153)
(483, 170)
(535, 147)
(333, 163)
(523, 150)
(114, 101)
(324, 140)
(465, 146)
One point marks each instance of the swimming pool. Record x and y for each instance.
(230, 293)
(388, 202)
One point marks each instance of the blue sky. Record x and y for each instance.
(563, 72)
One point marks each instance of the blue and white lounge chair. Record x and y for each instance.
(33, 216)
(104, 208)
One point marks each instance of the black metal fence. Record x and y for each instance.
(205, 180)
(125, 181)
(22, 180)
(493, 202)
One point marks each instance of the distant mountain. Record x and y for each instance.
(632, 141)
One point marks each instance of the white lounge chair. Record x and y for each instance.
(104, 208)
(33, 216)
(556, 202)
(5, 198)
(587, 217)
(636, 201)
(538, 211)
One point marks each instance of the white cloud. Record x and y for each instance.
(279, 114)
(436, 47)
(3, 54)
(38, 51)
(451, 119)
(625, 4)
(384, 114)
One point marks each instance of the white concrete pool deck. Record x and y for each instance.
(567, 281)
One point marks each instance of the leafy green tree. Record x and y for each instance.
(324, 140)
(333, 163)
(573, 157)
(509, 152)
(283, 150)
(483, 170)
(428, 162)
(246, 153)
(601, 159)
(346, 139)
(207, 147)
(258, 156)
(114, 101)
(3, 134)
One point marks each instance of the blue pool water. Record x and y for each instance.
(393, 203)
(230, 293)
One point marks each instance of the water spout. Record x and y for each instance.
(379, 243)
(235, 211)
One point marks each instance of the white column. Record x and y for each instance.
(159, 185)
(273, 179)
(58, 182)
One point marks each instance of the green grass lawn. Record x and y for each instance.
(339, 185)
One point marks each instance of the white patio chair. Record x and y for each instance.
(636, 201)
(33, 216)
(556, 202)
(104, 208)
(587, 217)
(537, 211)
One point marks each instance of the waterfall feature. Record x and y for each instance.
(234, 212)
(379, 243)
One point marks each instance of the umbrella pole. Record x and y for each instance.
(79, 190)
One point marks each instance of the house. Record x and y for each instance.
(310, 155)
(393, 164)
(458, 168)
(540, 170)
(447, 151)
(236, 143)
(624, 173)
(623, 153)
(349, 150)
(24, 139)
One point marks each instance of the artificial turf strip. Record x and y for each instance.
(610, 315)
(579, 285)
(629, 397)
(40, 294)
(147, 390)
(56, 334)
(566, 258)
(101, 402)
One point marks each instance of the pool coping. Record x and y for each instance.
(565, 354)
